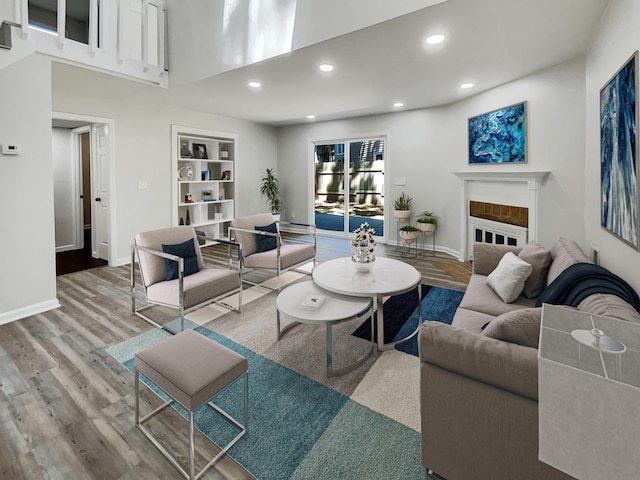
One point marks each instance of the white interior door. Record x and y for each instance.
(100, 190)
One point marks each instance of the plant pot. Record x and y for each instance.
(402, 214)
(408, 237)
(426, 228)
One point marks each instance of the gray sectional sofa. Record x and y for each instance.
(479, 376)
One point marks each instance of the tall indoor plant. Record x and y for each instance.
(270, 189)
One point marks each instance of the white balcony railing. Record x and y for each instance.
(122, 36)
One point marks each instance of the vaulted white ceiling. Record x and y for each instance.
(377, 62)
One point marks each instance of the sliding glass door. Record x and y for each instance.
(349, 185)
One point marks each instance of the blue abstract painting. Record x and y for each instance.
(618, 164)
(498, 136)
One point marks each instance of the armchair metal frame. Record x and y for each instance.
(278, 268)
(138, 310)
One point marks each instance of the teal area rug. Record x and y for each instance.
(299, 428)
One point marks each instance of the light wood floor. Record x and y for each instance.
(66, 406)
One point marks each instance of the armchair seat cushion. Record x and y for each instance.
(199, 287)
(290, 255)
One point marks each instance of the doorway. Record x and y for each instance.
(349, 185)
(81, 165)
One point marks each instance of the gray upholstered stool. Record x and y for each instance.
(191, 369)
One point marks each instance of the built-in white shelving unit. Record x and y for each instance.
(204, 179)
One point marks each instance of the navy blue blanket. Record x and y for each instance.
(583, 279)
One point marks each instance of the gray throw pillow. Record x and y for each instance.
(520, 326)
(540, 259)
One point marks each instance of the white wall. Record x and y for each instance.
(426, 146)
(27, 253)
(616, 40)
(142, 125)
(63, 189)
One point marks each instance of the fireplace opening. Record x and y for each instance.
(498, 224)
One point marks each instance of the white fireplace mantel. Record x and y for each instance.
(531, 180)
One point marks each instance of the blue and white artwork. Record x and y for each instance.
(498, 136)
(618, 138)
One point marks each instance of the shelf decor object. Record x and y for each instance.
(618, 155)
(363, 244)
(200, 151)
(185, 173)
(589, 394)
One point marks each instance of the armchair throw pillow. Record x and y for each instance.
(187, 251)
(507, 280)
(266, 242)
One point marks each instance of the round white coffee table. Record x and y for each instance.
(388, 277)
(333, 309)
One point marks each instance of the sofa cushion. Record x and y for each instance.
(481, 298)
(564, 253)
(486, 256)
(520, 326)
(507, 280)
(471, 320)
(609, 305)
(540, 259)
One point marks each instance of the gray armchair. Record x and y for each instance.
(263, 247)
(174, 275)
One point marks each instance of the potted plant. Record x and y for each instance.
(427, 222)
(402, 207)
(409, 233)
(269, 188)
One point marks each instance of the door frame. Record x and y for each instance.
(78, 208)
(311, 144)
(89, 120)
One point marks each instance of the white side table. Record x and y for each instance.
(334, 309)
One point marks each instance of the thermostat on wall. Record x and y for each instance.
(10, 149)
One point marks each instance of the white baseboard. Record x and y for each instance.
(428, 248)
(121, 261)
(27, 311)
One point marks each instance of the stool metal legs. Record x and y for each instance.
(191, 475)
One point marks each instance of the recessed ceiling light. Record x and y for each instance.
(398, 104)
(325, 67)
(311, 117)
(466, 85)
(435, 39)
(254, 84)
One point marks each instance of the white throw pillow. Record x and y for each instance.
(507, 280)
